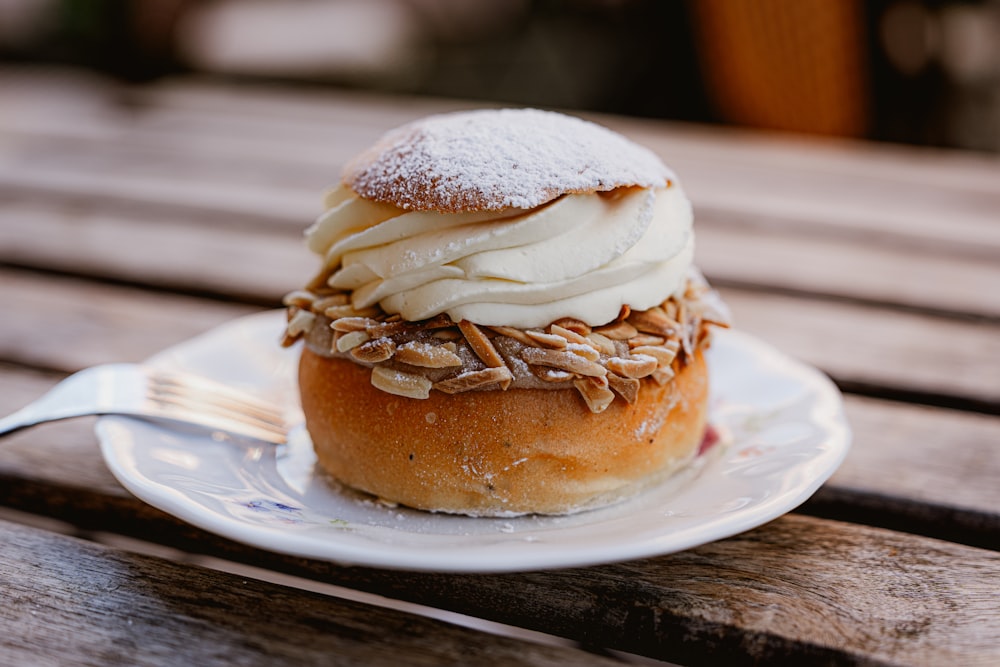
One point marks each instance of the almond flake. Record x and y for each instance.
(450, 333)
(585, 350)
(382, 329)
(427, 355)
(517, 334)
(399, 383)
(301, 322)
(617, 331)
(348, 341)
(547, 340)
(480, 344)
(602, 343)
(321, 304)
(627, 388)
(597, 397)
(634, 367)
(663, 375)
(347, 310)
(546, 374)
(574, 325)
(374, 351)
(566, 361)
(645, 339)
(475, 380)
(300, 298)
(345, 324)
(568, 334)
(654, 321)
(664, 356)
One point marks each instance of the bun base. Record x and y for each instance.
(499, 453)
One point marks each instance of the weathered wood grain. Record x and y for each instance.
(66, 324)
(876, 347)
(798, 590)
(932, 196)
(69, 602)
(911, 278)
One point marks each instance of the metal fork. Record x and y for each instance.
(137, 391)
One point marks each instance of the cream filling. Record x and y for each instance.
(581, 256)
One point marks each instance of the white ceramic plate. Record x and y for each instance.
(783, 429)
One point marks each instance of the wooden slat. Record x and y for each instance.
(66, 325)
(937, 197)
(963, 285)
(71, 602)
(764, 595)
(877, 347)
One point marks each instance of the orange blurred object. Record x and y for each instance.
(796, 65)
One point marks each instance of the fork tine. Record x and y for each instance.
(214, 390)
(230, 410)
(197, 399)
(267, 433)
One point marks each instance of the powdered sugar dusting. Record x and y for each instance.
(497, 159)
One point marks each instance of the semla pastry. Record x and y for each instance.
(506, 319)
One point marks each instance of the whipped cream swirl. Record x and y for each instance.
(582, 256)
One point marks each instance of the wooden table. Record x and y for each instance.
(132, 219)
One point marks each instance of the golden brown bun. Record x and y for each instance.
(494, 453)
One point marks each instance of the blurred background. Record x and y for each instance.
(923, 72)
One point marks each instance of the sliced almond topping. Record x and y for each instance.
(654, 321)
(546, 374)
(617, 331)
(300, 298)
(475, 380)
(585, 350)
(568, 334)
(663, 375)
(553, 341)
(399, 383)
(627, 388)
(437, 322)
(301, 322)
(670, 309)
(352, 324)
(347, 310)
(645, 339)
(447, 334)
(350, 340)
(480, 344)
(664, 356)
(517, 334)
(598, 397)
(635, 367)
(381, 329)
(374, 351)
(602, 343)
(322, 303)
(427, 355)
(564, 360)
(574, 325)
(623, 313)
